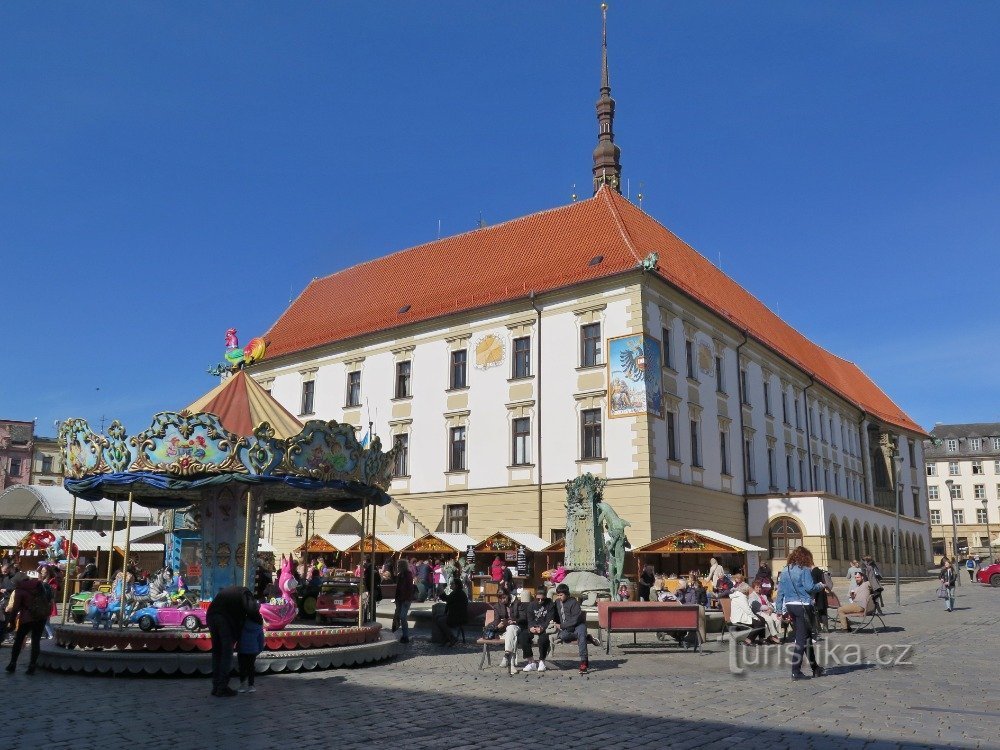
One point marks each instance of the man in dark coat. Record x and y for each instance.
(32, 619)
(226, 615)
(541, 613)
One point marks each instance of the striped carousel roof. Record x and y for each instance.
(241, 404)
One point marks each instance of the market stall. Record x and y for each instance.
(677, 554)
(517, 550)
(330, 550)
(384, 546)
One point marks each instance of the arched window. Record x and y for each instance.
(923, 553)
(887, 546)
(845, 535)
(858, 549)
(832, 540)
(785, 536)
(867, 548)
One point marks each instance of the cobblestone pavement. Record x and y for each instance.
(645, 696)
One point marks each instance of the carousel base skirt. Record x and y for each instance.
(82, 649)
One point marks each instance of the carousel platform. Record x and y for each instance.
(81, 648)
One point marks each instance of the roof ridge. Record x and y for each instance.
(605, 191)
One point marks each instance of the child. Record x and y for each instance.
(251, 644)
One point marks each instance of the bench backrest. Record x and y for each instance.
(647, 615)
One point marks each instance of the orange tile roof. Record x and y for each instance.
(540, 253)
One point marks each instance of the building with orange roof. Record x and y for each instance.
(589, 338)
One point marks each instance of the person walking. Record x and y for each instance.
(251, 644)
(30, 606)
(226, 616)
(795, 598)
(948, 580)
(970, 565)
(405, 593)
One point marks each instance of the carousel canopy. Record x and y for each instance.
(51, 502)
(441, 542)
(241, 404)
(507, 541)
(697, 541)
(182, 455)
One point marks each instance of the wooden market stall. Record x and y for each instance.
(549, 557)
(386, 546)
(686, 550)
(331, 549)
(517, 549)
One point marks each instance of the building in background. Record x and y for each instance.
(16, 449)
(46, 462)
(588, 338)
(964, 458)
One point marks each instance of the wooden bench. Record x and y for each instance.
(487, 642)
(649, 617)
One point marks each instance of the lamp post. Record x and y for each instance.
(899, 501)
(949, 483)
(989, 538)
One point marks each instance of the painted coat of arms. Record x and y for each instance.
(635, 380)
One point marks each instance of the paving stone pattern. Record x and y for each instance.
(638, 697)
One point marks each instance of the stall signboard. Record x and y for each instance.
(431, 543)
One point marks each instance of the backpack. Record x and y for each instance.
(40, 604)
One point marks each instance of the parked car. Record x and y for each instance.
(150, 618)
(990, 574)
(338, 600)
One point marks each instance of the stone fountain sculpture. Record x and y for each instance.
(594, 566)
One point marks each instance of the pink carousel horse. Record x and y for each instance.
(279, 612)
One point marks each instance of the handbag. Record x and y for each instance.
(942, 591)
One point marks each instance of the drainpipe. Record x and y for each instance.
(745, 457)
(809, 449)
(538, 411)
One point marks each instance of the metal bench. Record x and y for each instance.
(649, 617)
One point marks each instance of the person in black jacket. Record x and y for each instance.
(226, 615)
(573, 624)
(541, 612)
(456, 612)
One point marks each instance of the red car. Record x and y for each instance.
(990, 575)
(337, 600)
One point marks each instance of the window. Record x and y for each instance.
(15, 467)
(557, 535)
(401, 464)
(788, 471)
(770, 468)
(695, 448)
(46, 464)
(668, 359)
(590, 345)
(829, 425)
(308, 391)
(671, 436)
(977, 467)
(720, 381)
(458, 519)
(822, 427)
(784, 406)
(935, 517)
(748, 459)
(826, 480)
(353, 388)
(932, 492)
(457, 458)
(802, 474)
(996, 467)
(785, 536)
(959, 515)
(689, 358)
(798, 422)
(911, 445)
(980, 515)
(836, 482)
(956, 492)
(767, 398)
(953, 468)
(520, 430)
(590, 433)
(979, 492)
(996, 443)
(522, 357)
(952, 445)
(403, 370)
(916, 503)
(459, 368)
(815, 477)
(744, 393)
(724, 451)
(975, 445)
(932, 470)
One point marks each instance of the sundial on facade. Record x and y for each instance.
(490, 351)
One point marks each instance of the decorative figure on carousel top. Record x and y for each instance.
(280, 611)
(236, 357)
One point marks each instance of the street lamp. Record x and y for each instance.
(899, 501)
(298, 527)
(949, 483)
(989, 538)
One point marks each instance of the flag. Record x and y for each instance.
(366, 439)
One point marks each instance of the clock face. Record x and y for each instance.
(489, 351)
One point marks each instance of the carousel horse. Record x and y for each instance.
(279, 612)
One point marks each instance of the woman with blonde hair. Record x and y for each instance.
(795, 593)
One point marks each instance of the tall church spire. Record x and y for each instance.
(607, 156)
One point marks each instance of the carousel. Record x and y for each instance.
(221, 466)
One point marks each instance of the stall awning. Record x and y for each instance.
(697, 541)
(443, 543)
(509, 541)
(384, 543)
(329, 543)
(557, 546)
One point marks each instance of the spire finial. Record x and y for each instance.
(607, 166)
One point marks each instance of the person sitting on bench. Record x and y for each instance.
(505, 616)
(573, 624)
(541, 612)
(741, 614)
(862, 601)
(456, 612)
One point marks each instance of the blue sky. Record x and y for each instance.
(169, 170)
